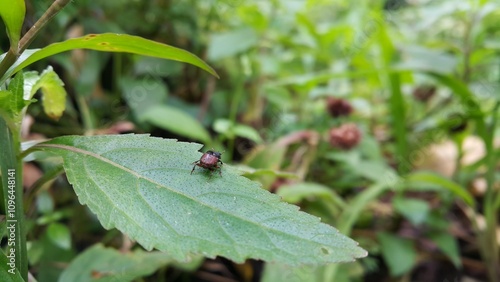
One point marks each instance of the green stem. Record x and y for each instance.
(233, 111)
(490, 211)
(26, 40)
(12, 193)
(88, 124)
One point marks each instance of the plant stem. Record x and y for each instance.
(26, 40)
(88, 123)
(12, 192)
(490, 211)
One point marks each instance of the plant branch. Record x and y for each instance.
(13, 53)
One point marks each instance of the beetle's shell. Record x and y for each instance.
(208, 161)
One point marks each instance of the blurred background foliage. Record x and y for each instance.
(377, 116)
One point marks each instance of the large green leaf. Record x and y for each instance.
(111, 42)
(12, 13)
(105, 264)
(143, 187)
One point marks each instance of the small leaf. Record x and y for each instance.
(11, 101)
(105, 264)
(448, 244)
(111, 42)
(175, 120)
(54, 94)
(59, 235)
(414, 210)
(297, 192)
(143, 187)
(8, 271)
(12, 14)
(248, 132)
(398, 253)
(230, 130)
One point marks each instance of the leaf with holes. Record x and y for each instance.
(143, 187)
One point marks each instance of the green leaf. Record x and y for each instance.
(297, 192)
(361, 201)
(442, 182)
(105, 264)
(398, 253)
(467, 99)
(54, 94)
(175, 120)
(11, 101)
(278, 272)
(230, 129)
(448, 244)
(10, 71)
(143, 187)
(142, 94)
(418, 58)
(111, 42)
(59, 235)
(8, 272)
(414, 210)
(231, 43)
(12, 13)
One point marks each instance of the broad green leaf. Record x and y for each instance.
(54, 94)
(175, 120)
(231, 43)
(414, 210)
(448, 244)
(111, 42)
(106, 264)
(8, 272)
(443, 182)
(59, 235)
(12, 13)
(143, 187)
(398, 253)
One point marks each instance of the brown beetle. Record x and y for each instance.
(210, 160)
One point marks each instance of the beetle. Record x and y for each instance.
(209, 160)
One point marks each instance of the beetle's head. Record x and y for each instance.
(214, 153)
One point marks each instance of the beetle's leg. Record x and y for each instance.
(195, 164)
(220, 169)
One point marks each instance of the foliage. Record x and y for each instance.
(171, 210)
(412, 178)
